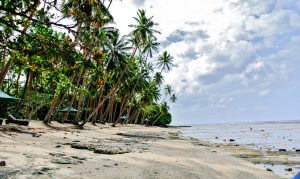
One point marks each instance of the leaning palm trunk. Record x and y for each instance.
(78, 114)
(55, 101)
(112, 91)
(74, 96)
(157, 119)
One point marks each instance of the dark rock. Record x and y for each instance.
(250, 129)
(262, 130)
(216, 137)
(269, 170)
(297, 150)
(82, 146)
(2, 163)
(65, 160)
(36, 135)
(111, 150)
(288, 169)
(282, 150)
(58, 146)
(231, 140)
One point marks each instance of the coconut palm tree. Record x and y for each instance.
(165, 61)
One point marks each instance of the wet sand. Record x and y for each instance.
(272, 145)
(102, 151)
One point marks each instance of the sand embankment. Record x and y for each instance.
(142, 152)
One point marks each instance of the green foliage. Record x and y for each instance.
(89, 66)
(158, 114)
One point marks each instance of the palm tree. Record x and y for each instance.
(116, 48)
(143, 31)
(158, 78)
(165, 61)
(173, 98)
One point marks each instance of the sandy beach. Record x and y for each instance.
(102, 151)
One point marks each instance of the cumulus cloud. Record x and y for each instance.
(225, 51)
(239, 43)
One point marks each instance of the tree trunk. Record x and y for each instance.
(78, 114)
(73, 96)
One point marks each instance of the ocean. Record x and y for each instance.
(263, 136)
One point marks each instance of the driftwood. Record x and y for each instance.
(12, 120)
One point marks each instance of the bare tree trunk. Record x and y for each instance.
(78, 114)
(73, 96)
(17, 83)
(109, 4)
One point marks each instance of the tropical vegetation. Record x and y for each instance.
(63, 54)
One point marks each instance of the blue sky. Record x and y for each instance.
(235, 60)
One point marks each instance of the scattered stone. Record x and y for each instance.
(224, 140)
(111, 150)
(36, 135)
(262, 130)
(79, 158)
(236, 145)
(290, 140)
(75, 141)
(269, 170)
(288, 169)
(82, 146)
(65, 137)
(282, 150)
(297, 150)
(58, 146)
(250, 129)
(116, 164)
(214, 151)
(2, 163)
(65, 160)
(231, 140)
(216, 137)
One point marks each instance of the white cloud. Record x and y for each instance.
(226, 49)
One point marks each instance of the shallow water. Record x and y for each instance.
(258, 135)
(273, 135)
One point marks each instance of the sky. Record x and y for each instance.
(234, 60)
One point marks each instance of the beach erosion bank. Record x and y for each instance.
(102, 151)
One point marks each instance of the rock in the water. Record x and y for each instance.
(231, 140)
(2, 163)
(111, 150)
(282, 150)
(216, 137)
(297, 150)
(269, 170)
(288, 169)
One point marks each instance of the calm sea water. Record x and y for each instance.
(258, 135)
(274, 135)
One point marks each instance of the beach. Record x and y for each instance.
(125, 151)
(271, 145)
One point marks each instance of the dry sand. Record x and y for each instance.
(146, 152)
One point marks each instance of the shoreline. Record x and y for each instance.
(270, 145)
(128, 151)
